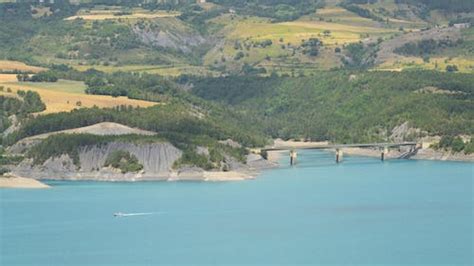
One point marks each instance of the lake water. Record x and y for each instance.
(362, 211)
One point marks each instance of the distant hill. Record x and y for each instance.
(285, 37)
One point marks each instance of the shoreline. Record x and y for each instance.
(239, 172)
(250, 171)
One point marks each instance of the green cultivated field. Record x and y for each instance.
(69, 86)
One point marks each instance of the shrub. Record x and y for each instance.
(452, 68)
(457, 145)
(3, 171)
(124, 161)
(239, 55)
(445, 141)
(469, 148)
(46, 76)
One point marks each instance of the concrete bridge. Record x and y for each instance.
(383, 147)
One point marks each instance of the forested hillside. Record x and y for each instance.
(350, 106)
(202, 72)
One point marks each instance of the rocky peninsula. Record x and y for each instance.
(157, 158)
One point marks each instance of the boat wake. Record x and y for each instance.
(121, 214)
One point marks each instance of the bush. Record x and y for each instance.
(10, 160)
(124, 161)
(30, 103)
(457, 145)
(3, 171)
(239, 55)
(445, 141)
(190, 157)
(452, 68)
(46, 76)
(359, 56)
(469, 148)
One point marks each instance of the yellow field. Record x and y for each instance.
(110, 14)
(174, 70)
(7, 65)
(7, 78)
(295, 31)
(66, 95)
(340, 33)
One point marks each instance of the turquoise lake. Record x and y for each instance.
(362, 211)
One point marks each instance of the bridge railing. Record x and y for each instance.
(384, 147)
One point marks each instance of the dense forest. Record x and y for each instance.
(346, 106)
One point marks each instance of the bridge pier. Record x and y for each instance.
(339, 155)
(384, 152)
(293, 155)
(383, 148)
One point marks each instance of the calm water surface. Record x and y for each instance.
(360, 212)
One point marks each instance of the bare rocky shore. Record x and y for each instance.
(157, 160)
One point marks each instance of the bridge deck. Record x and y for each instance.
(340, 146)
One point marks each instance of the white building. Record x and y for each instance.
(462, 25)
